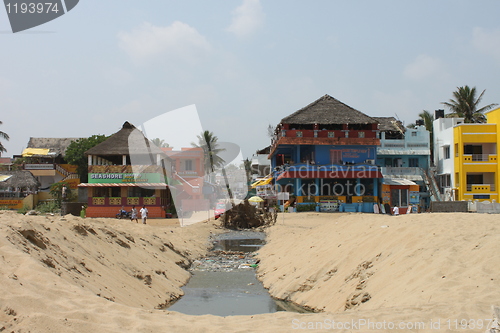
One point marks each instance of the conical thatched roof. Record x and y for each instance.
(57, 146)
(129, 140)
(328, 110)
(389, 124)
(19, 179)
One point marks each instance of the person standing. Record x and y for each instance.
(395, 211)
(133, 214)
(144, 214)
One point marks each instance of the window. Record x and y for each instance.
(399, 197)
(140, 192)
(188, 165)
(446, 152)
(413, 162)
(413, 133)
(335, 156)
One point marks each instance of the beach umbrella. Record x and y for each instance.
(256, 199)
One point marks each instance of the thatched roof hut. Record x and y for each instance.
(19, 179)
(127, 141)
(56, 146)
(328, 110)
(389, 124)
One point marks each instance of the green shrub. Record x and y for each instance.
(23, 210)
(48, 207)
(306, 208)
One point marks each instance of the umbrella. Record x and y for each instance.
(256, 199)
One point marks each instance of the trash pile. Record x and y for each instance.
(225, 261)
(247, 216)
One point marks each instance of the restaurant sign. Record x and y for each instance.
(12, 204)
(133, 178)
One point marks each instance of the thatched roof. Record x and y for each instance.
(328, 110)
(387, 124)
(129, 140)
(266, 150)
(57, 146)
(19, 179)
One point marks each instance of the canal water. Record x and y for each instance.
(224, 282)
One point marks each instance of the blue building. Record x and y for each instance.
(404, 157)
(325, 155)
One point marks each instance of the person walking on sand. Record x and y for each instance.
(144, 214)
(133, 215)
(395, 211)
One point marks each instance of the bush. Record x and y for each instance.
(48, 207)
(23, 210)
(306, 208)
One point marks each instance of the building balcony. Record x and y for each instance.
(403, 144)
(489, 158)
(329, 133)
(39, 166)
(402, 172)
(307, 137)
(480, 188)
(125, 169)
(124, 201)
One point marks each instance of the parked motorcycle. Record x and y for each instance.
(123, 215)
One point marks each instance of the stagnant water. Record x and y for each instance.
(224, 283)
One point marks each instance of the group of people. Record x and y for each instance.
(134, 215)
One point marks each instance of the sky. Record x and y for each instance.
(244, 64)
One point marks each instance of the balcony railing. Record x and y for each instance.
(124, 201)
(480, 187)
(400, 171)
(480, 158)
(39, 166)
(125, 169)
(388, 143)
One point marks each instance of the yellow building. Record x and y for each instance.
(476, 167)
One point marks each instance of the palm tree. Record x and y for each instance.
(160, 143)
(465, 105)
(5, 136)
(208, 142)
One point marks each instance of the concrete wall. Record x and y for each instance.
(72, 208)
(449, 207)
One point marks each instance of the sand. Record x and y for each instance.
(428, 272)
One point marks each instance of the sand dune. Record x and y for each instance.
(66, 274)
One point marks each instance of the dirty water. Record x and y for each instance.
(224, 282)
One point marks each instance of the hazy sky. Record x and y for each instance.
(245, 64)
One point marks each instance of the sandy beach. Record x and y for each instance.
(67, 274)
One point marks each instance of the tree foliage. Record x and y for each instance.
(75, 154)
(4, 136)
(465, 104)
(211, 150)
(160, 143)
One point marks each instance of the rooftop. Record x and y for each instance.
(328, 110)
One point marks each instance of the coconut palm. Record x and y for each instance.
(208, 142)
(465, 105)
(160, 143)
(5, 136)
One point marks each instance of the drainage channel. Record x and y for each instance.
(224, 282)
